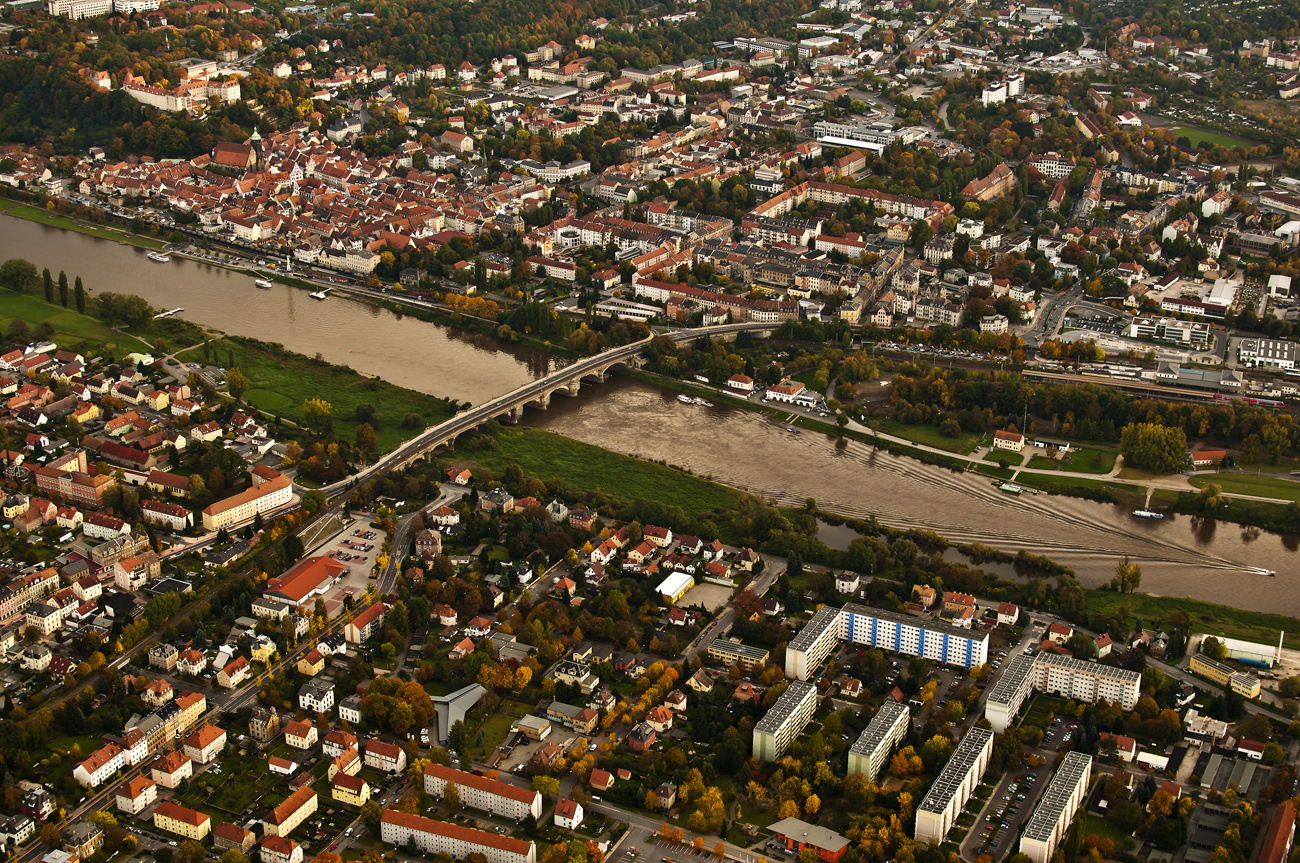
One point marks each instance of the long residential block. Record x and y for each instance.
(876, 627)
(1063, 797)
(954, 786)
(1059, 675)
(785, 721)
(479, 792)
(872, 749)
(438, 837)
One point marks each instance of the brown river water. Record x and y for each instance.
(1180, 556)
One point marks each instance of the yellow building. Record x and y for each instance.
(352, 790)
(262, 651)
(1245, 685)
(181, 821)
(292, 812)
(311, 663)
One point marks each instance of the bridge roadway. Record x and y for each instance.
(537, 392)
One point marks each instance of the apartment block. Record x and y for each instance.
(873, 747)
(785, 721)
(479, 792)
(900, 633)
(1058, 675)
(1063, 797)
(950, 791)
(438, 837)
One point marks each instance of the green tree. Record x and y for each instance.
(319, 415)
(47, 282)
(18, 275)
(237, 383)
(921, 232)
(547, 786)
(1128, 575)
(1210, 498)
(1153, 447)
(1214, 648)
(371, 815)
(63, 289)
(79, 295)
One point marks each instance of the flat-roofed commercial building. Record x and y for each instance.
(438, 837)
(480, 792)
(1009, 693)
(785, 721)
(731, 652)
(796, 835)
(1063, 797)
(1245, 685)
(900, 633)
(949, 793)
(872, 749)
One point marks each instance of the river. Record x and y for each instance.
(451, 362)
(1180, 556)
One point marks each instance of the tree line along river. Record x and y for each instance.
(1180, 556)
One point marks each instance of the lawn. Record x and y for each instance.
(554, 457)
(1215, 139)
(996, 456)
(929, 435)
(1091, 460)
(493, 730)
(1041, 711)
(1040, 463)
(1246, 483)
(1091, 824)
(1205, 617)
(104, 232)
(280, 382)
(71, 330)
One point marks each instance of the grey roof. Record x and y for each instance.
(825, 617)
(950, 778)
(1079, 666)
(809, 834)
(880, 725)
(1074, 767)
(454, 706)
(794, 695)
(1011, 680)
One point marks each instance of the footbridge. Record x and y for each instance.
(537, 394)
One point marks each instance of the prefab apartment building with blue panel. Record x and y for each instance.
(874, 627)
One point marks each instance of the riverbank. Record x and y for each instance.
(33, 213)
(281, 381)
(72, 329)
(567, 465)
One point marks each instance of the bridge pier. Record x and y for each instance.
(572, 388)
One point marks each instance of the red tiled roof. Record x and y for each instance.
(168, 809)
(481, 783)
(295, 802)
(455, 831)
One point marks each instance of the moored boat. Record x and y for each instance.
(159, 258)
(263, 284)
(1146, 513)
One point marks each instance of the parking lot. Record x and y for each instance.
(357, 546)
(1006, 810)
